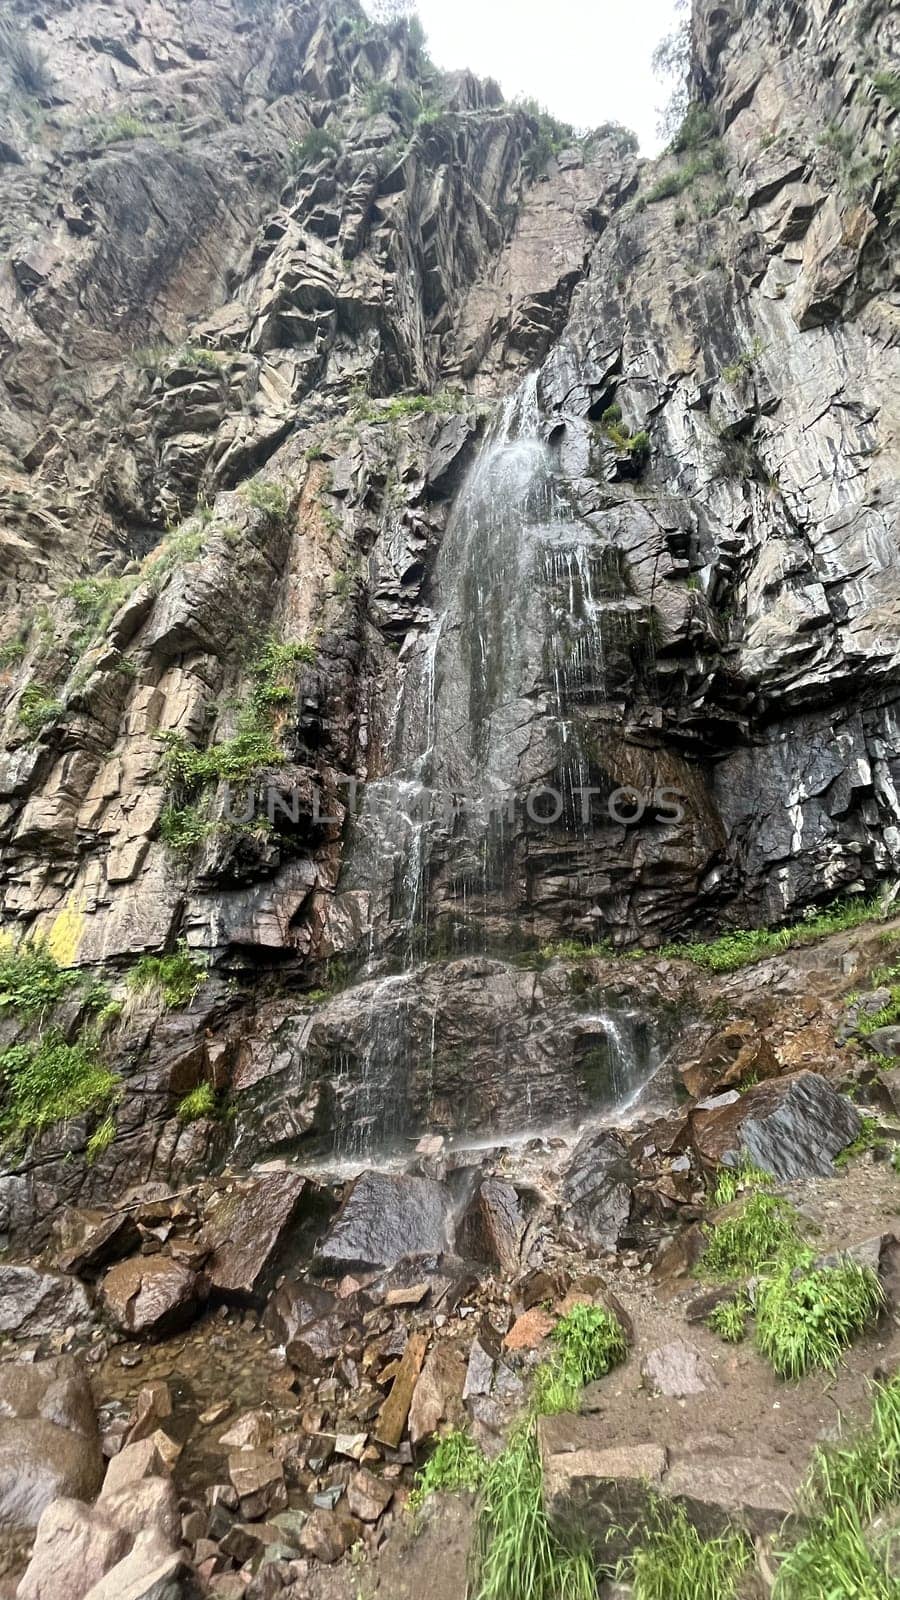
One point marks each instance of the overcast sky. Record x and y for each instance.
(587, 61)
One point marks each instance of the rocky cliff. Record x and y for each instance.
(432, 543)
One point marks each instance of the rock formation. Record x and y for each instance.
(436, 558)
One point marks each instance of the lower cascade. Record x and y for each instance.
(449, 820)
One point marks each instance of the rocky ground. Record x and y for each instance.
(251, 1370)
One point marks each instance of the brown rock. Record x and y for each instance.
(530, 1330)
(368, 1497)
(245, 1229)
(49, 1443)
(151, 1296)
(154, 1405)
(740, 1051)
(792, 1127)
(258, 1481)
(438, 1392)
(328, 1535)
(73, 1549)
(393, 1414)
(493, 1227)
(103, 1241)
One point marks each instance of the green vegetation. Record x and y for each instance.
(744, 363)
(312, 149)
(456, 1463)
(275, 670)
(636, 445)
(677, 1564)
(198, 1104)
(176, 978)
(37, 709)
(183, 829)
(518, 1555)
(589, 1343)
(764, 1232)
(729, 1318)
(734, 950)
(571, 950)
(12, 653)
(51, 1081)
(698, 128)
(268, 497)
(686, 175)
(100, 1140)
(730, 1181)
(31, 981)
(885, 1018)
(887, 85)
(625, 139)
(549, 136)
(868, 1137)
(807, 1317)
(121, 127)
(401, 406)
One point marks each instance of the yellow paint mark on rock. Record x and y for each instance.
(65, 933)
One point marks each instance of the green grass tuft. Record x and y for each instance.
(456, 1463)
(763, 1232)
(676, 1563)
(868, 1137)
(100, 1140)
(589, 1342)
(37, 709)
(176, 978)
(50, 1082)
(807, 1317)
(731, 1181)
(518, 1556)
(849, 1483)
(732, 951)
(31, 980)
(269, 498)
(729, 1319)
(199, 1103)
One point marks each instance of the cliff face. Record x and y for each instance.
(268, 278)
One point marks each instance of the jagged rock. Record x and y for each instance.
(885, 1042)
(599, 1490)
(739, 1052)
(677, 1369)
(755, 1492)
(294, 1305)
(792, 1127)
(103, 1241)
(393, 1414)
(245, 1228)
(258, 1482)
(529, 1330)
(493, 1226)
(328, 1535)
(151, 1571)
(438, 1392)
(49, 1444)
(151, 1296)
(154, 1405)
(387, 1217)
(34, 1304)
(368, 1497)
(145, 1458)
(597, 1189)
(73, 1549)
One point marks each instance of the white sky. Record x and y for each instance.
(587, 61)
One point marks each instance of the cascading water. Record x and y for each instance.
(491, 754)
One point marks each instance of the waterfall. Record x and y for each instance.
(498, 702)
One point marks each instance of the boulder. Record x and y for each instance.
(328, 1535)
(150, 1297)
(102, 1241)
(593, 1488)
(388, 1216)
(738, 1052)
(597, 1189)
(438, 1393)
(792, 1127)
(35, 1304)
(151, 1571)
(134, 1463)
(49, 1443)
(245, 1229)
(493, 1227)
(756, 1492)
(677, 1369)
(393, 1414)
(73, 1549)
(258, 1482)
(294, 1305)
(368, 1497)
